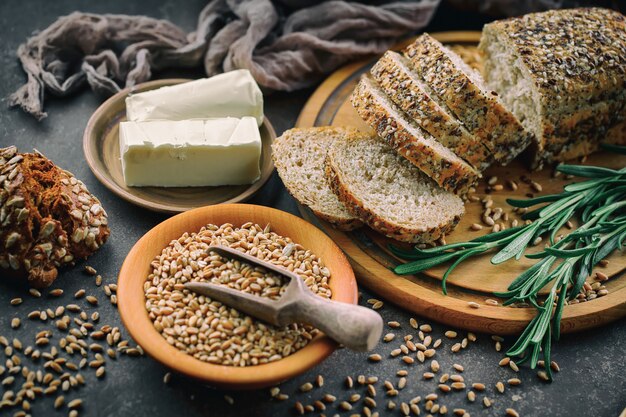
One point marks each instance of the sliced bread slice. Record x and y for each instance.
(389, 193)
(299, 156)
(463, 91)
(412, 142)
(416, 99)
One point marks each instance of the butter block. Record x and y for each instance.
(190, 153)
(232, 94)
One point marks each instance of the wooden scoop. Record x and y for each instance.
(355, 327)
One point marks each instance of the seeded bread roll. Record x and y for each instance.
(417, 100)
(48, 218)
(562, 73)
(389, 193)
(462, 89)
(412, 142)
(299, 156)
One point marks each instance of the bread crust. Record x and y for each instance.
(344, 223)
(576, 61)
(482, 113)
(407, 91)
(617, 134)
(375, 221)
(452, 174)
(48, 218)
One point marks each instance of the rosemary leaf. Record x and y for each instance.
(587, 171)
(600, 205)
(517, 246)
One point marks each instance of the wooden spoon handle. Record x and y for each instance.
(357, 328)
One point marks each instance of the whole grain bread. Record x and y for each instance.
(299, 156)
(48, 218)
(617, 134)
(387, 192)
(562, 73)
(391, 124)
(463, 91)
(416, 99)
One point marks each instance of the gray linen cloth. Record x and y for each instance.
(283, 51)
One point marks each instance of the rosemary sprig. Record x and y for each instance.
(600, 204)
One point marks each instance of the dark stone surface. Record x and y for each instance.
(592, 380)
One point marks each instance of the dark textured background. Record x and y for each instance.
(592, 381)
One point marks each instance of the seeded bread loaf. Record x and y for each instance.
(562, 73)
(389, 193)
(462, 89)
(417, 100)
(412, 142)
(299, 156)
(617, 134)
(48, 218)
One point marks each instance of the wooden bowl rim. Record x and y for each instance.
(99, 117)
(136, 320)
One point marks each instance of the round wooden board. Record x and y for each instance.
(102, 151)
(475, 280)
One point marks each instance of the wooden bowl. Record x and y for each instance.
(131, 299)
(102, 152)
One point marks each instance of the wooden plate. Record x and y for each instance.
(131, 299)
(474, 280)
(101, 148)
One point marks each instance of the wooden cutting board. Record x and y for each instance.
(476, 279)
